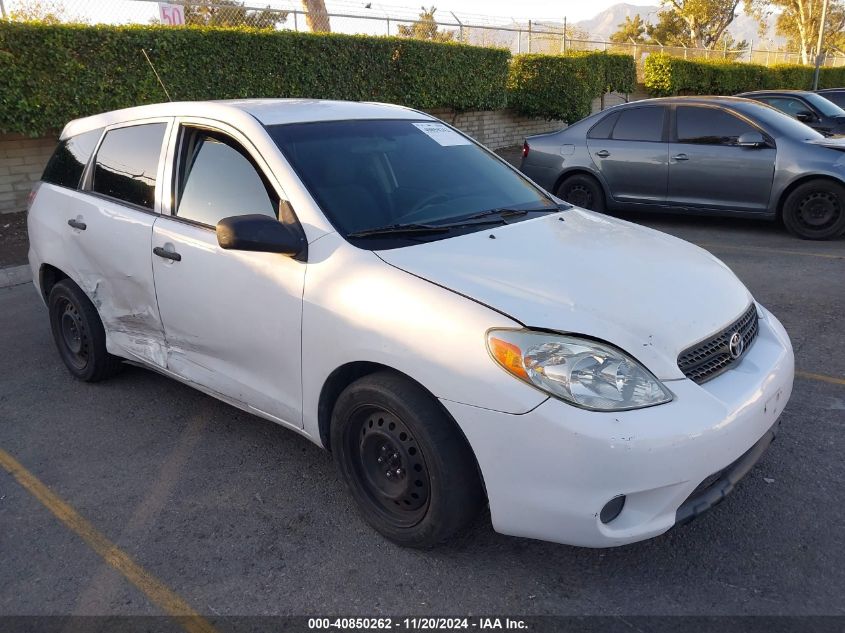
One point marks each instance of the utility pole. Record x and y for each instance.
(564, 34)
(819, 46)
(2, 10)
(460, 25)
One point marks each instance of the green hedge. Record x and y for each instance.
(563, 86)
(50, 74)
(666, 75)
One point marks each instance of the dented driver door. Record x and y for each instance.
(232, 319)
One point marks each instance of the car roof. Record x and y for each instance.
(831, 90)
(774, 92)
(265, 111)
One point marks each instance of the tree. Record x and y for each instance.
(317, 16)
(425, 28)
(798, 21)
(631, 30)
(47, 11)
(232, 13)
(696, 23)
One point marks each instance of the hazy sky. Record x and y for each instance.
(522, 9)
(480, 11)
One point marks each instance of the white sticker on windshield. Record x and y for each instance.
(444, 135)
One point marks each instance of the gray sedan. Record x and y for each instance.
(704, 155)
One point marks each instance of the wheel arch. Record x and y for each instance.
(802, 180)
(49, 276)
(582, 171)
(348, 373)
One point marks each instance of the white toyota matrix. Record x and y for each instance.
(371, 278)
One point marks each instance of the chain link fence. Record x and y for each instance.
(371, 18)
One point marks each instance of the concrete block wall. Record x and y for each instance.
(499, 128)
(22, 160)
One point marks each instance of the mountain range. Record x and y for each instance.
(744, 26)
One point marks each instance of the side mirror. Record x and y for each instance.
(751, 139)
(805, 116)
(260, 233)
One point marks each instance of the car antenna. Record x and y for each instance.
(155, 72)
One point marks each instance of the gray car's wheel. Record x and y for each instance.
(583, 191)
(79, 335)
(405, 462)
(815, 210)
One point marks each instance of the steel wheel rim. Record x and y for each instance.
(580, 196)
(819, 210)
(389, 466)
(73, 335)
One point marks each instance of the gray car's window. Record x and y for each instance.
(603, 128)
(220, 181)
(787, 104)
(824, 106)
(709, 126)
(640, 124)
(68, 161)
(127, 163)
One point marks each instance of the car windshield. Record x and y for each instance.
(827, 108)
(396, 174)
(781, 123)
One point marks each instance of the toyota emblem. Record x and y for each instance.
(736, 345)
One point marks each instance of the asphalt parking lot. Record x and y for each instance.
(236, 516)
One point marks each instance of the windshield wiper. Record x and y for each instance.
(501, 215)
(398, 229)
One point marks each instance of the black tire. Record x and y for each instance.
(583, 191)
(815, 210)
(407, 465)
(79, 335)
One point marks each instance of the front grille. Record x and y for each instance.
(712, 356)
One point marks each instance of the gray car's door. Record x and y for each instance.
(632, 154)
(708, 170)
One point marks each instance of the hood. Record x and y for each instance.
(646, 292)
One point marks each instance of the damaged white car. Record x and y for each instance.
(373, 279)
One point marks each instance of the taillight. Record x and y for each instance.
(525, 149)
(31, 197)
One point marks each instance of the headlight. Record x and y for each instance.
(584, 373)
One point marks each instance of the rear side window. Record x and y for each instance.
(603, 128)
(68, 161)
(127, 163)
(640, 124)
(709, 126)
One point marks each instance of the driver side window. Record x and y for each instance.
(217, 179)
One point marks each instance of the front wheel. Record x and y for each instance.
(583, 191)
(405, 462)
(815, 210)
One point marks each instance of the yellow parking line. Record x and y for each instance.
(831, 379)
(154, 589)
(764, 249)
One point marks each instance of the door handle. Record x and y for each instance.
(73, 222)
(603, 153)
(680, 157)
(176, 257)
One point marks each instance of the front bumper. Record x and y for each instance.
(549, 472)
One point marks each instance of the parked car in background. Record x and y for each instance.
(836, 95)
(373, 279)
(810, 108)
(706, 155)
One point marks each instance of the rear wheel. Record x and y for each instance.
(815, 210)
(79, 334)
(408, 467)
(583, 191)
